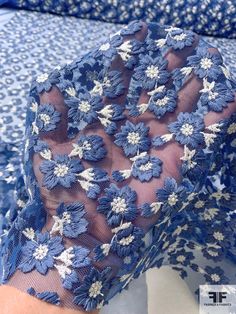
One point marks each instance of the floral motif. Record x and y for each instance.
(215, 275)
(47, 296)
(60, 171)
(146, 168)
(84, 107)
(133, 138)
(187, 129)
(118, 204)
(127, 241)
(47, 118)
(38, 254)
(215, 95)
(89, 147)
(181, 257)
(178, 39)
(206, 64)
(162, 102)
(70, 220)
(45, 81)
(151, 71)
(93, 290)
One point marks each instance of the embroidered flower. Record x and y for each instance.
(47, 296)
(118, 204)
(60, 171)
(162, 102)
(146, 168)
(84, 107)
(72, 257)
(151, 71)
(89, 147)
(45, 81)
(178, 39)
(170, 194)
(150, 209)
(47, 118)
(181, 257)
(206, 64)
(108, 84)
(108, 49)
(127, 241)
(128, 52)
(93, 290)
(39, 254)
(215, 95)
(70, 220)
(133, 138)
(215, 275)
(131, 28)
(187, 129)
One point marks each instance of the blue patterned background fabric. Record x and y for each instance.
(27, 52)
(211, 17)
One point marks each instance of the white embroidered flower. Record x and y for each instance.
(172, 199)
(61, 170)
(187, 129)
(126, 240)
(105, 47)
(181, 258)
(133, 138)
(84, 106)
(206, 63)
(210, 213)
(215, 277)
(118, 205)
(45, 118)
(152, 71)
(232, 128)
(95, 289)
(40, 252)
(218, 235)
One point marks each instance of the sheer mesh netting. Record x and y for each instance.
(129, 164)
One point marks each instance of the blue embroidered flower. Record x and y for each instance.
(215, 275)
(170, 194)
(39, 253)
(127, 241)
(151, 71)
(133, 138)
(47, 296)
(178, 39)
(215, 95)
(206, 64)
(47, 118)
(109, 115)
(73, 257)
(146, 168)
(128, 52)
(60, 171)
(118, 204)
(84, 107)
(108, 49)
(45, 81)
(70, 220)
(163, 102)
(91, 294)
(89, 147)
(131, 28)
(181, 257)
(113, 84)
(187, 129)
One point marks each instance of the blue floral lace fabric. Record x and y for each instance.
(214, 17)
(129, 164)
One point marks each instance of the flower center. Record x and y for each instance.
(218, 236)
(84, 106)
(95, 289)
(42, 78)
(127, 240)
(181, 258)
(172, 199)
(152, 71)
(179, 37)
(40, 252)
(212, 95)
(118, 205)
(215, 277)
(146, 167)
(199, 204)
(232, 128)
(45, 118)
(61, 170)
(162, 102)
(104, 47)
(133, 138)
(187, 129)
(87, 145)
(206, 63)
(66, 217)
